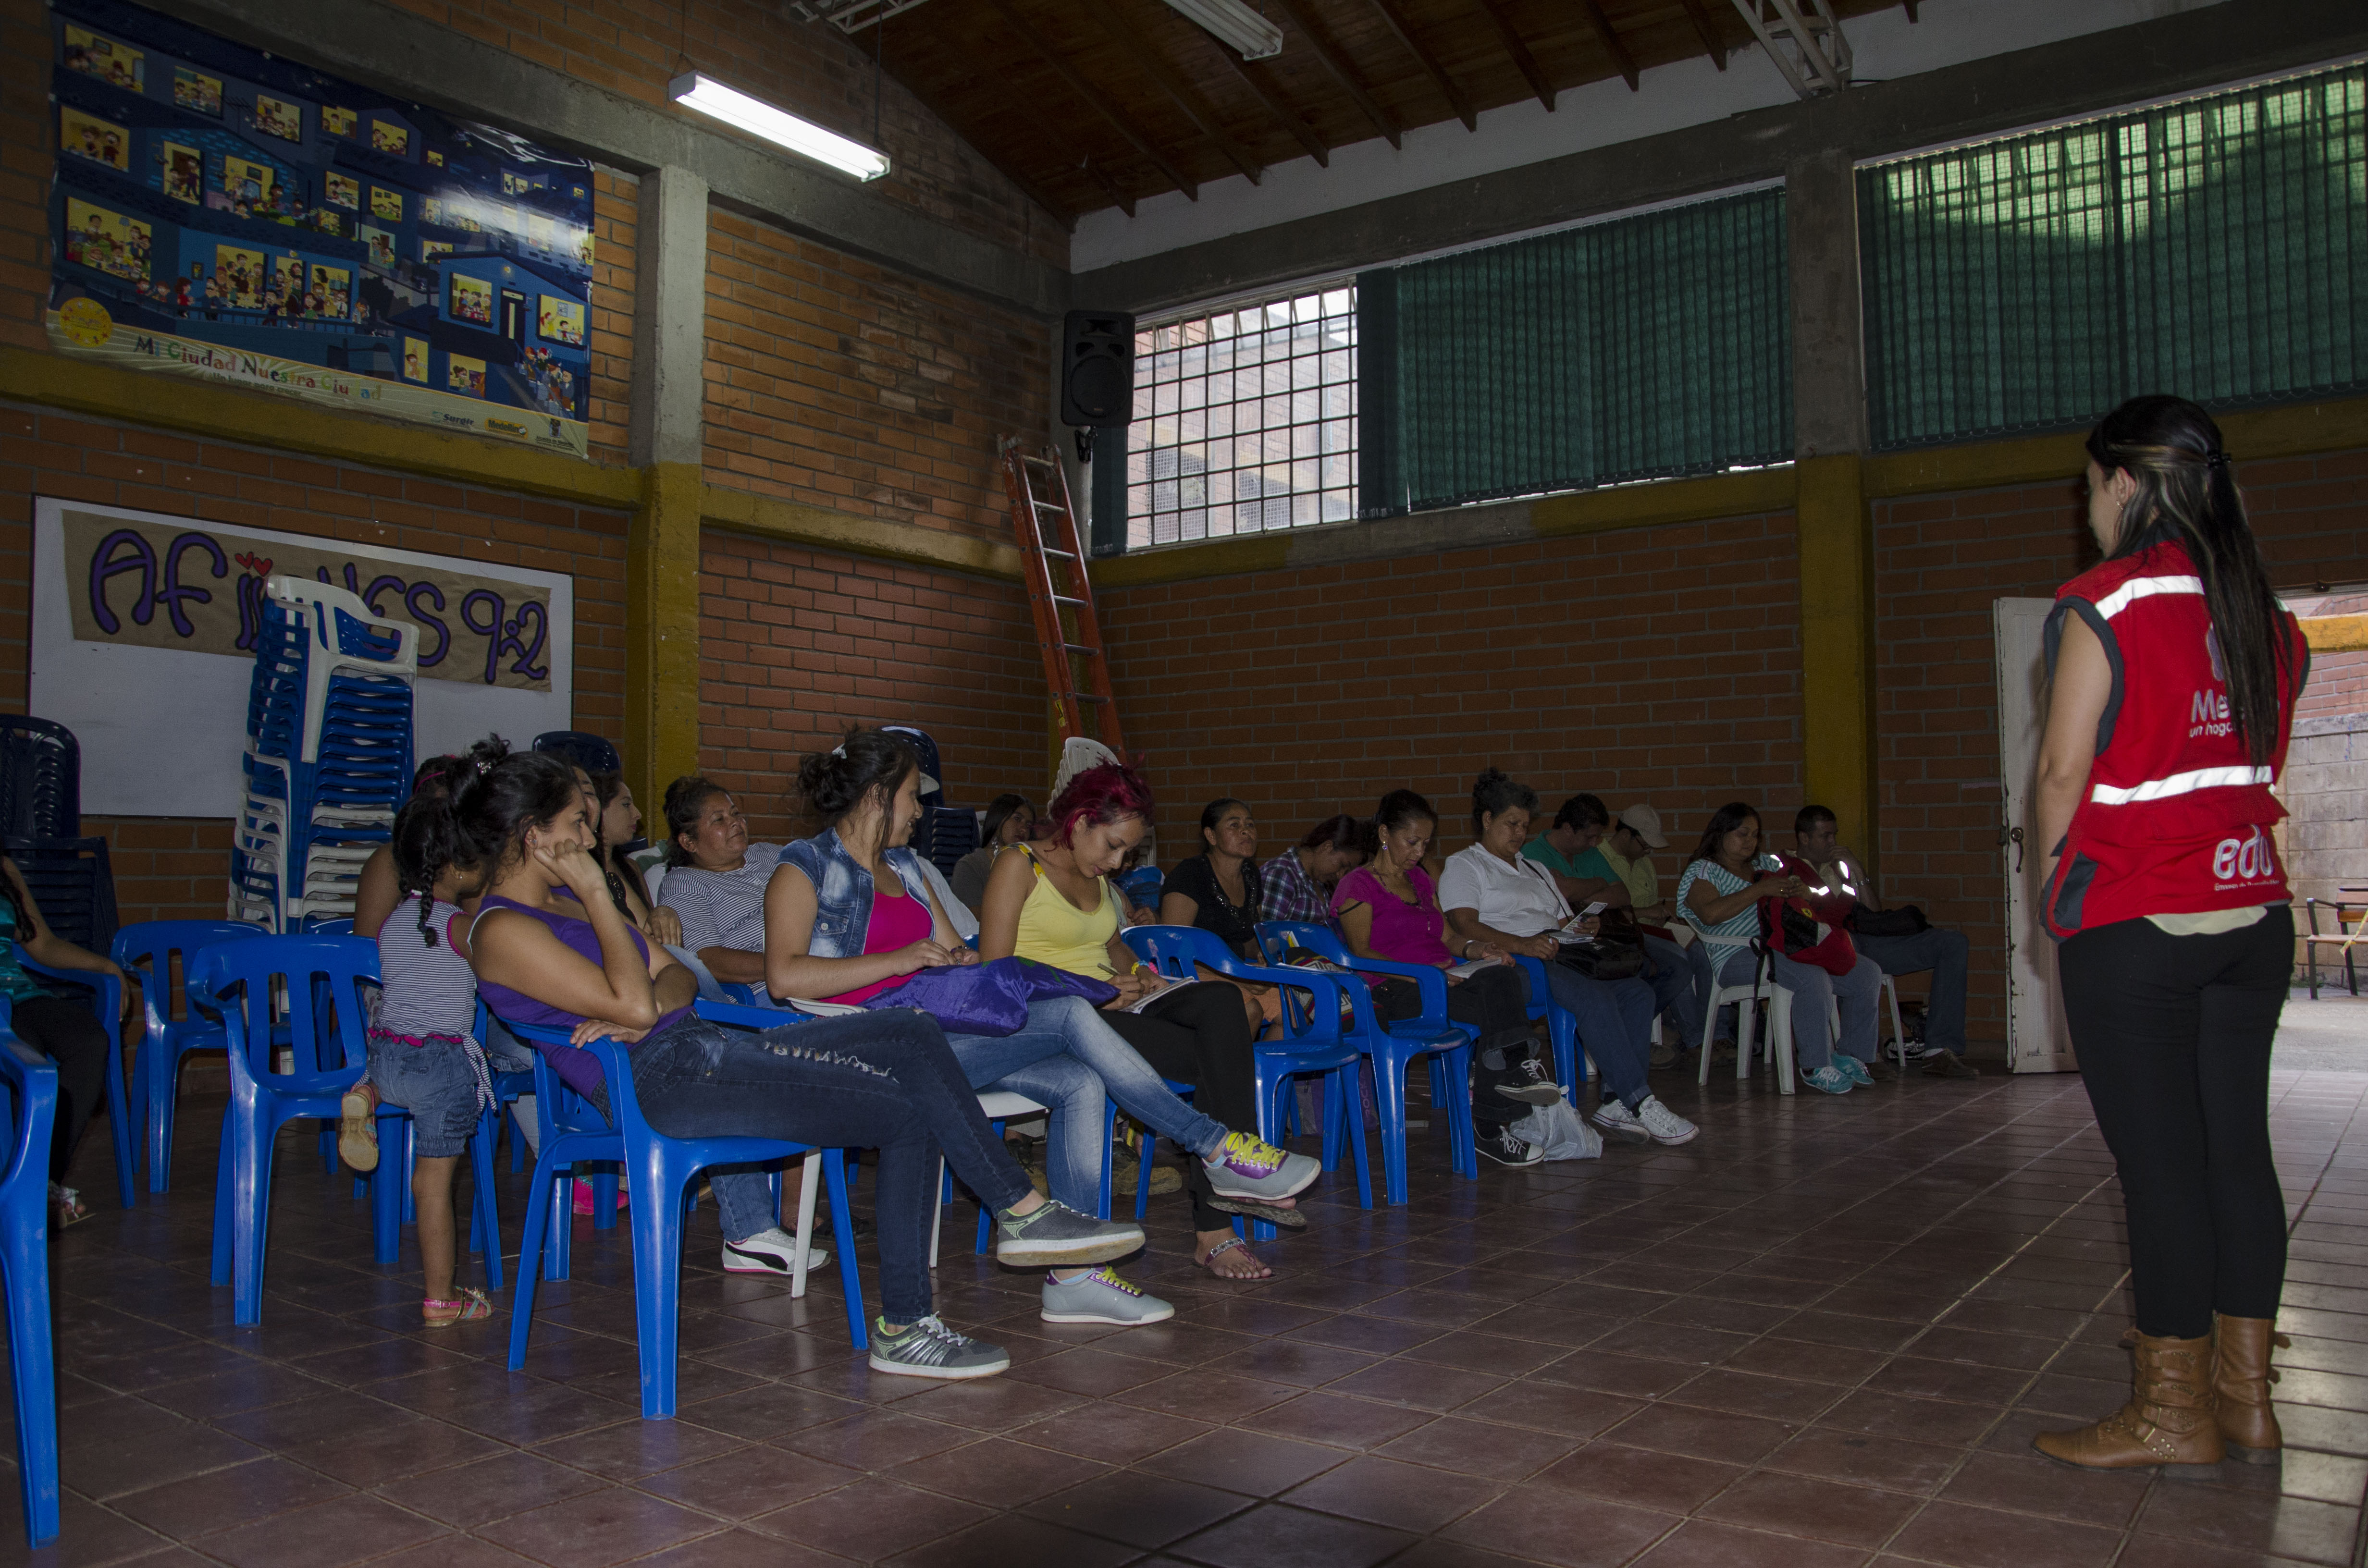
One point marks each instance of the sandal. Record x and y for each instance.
(473, 1306)
(1251, 1209)
(358, 1127)
(1228, 1244)
(66, 1206)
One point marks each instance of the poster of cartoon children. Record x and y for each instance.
(333, 289)
(106, 241)
(197, 92)
(238, 276)
(389, 138)
(276, 117)
(284, 294)
(415, 360)
(471, 300)
(462, 374)
(382, 246)
(183, 173)
(336, 121)
(342, 190)
(559, 321)
(86, 135)
(386, 204)
(245, 181)
(117, 64)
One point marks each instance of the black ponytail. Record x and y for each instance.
(835, 782)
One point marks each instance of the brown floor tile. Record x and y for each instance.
(1818, 1510)
(1272, 1533)
(1985, 1537)
(736, 1548)
(1701, 1434)
(2036, 1485)
(875, 1440)
(1569, 1411)
(1249, 1463)
(1113, 1433)
(1015, 1539)
(1298, 1362)
(2280, 1527)
(1967, 1383)
(119, 1444)
(1418, 1385)
(349, 1529)
(1924, 1420)
(487, 1489)
(1561, 1527)
(1667, 1483)
(1479, 1449)
(1384, 1491)
(1207, 1396)
(988, 1405)
(1699, 1544)
(747, 1481)
(1143, 1510)
(220, 1499)
(870, 1519)
(1861, 1459)
(1344, 1423)
(2165, 1551)
(997, 1472)
(1787, 1400)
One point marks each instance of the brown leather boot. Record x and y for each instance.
(2168, 1421)
(2242, 1379)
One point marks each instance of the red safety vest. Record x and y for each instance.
(2176, 817)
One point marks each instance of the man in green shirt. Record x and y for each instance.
(1573, 850)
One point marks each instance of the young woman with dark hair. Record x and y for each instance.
(1009, 819)
(880, 1080)
(377, 891)
(2173, 674)
(1054, 902)
(620, 822)
(850, 914)
(716, 884)
(64, 1031)
(1389, 910)
(1217, 890)
(1298, 886)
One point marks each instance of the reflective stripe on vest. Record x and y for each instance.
(2119, 599)
(2178, 784)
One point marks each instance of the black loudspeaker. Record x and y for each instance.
(1098, 369)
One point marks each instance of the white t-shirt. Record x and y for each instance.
(1520, 899)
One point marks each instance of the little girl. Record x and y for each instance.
(423, 1054)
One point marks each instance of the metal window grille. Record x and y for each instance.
(1245, 421)
(2215, 248)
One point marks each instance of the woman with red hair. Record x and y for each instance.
(1052, 903)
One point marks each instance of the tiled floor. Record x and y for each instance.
(1821, 1335)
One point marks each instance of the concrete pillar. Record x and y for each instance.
(667, 443)
(1835, 529)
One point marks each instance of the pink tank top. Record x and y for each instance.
(1403, 932)
(895, 923)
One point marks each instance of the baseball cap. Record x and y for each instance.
(1646, 823)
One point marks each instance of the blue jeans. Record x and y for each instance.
(1946, 953)
(1814, 994)
(1681, 983)
(1615, 1028)
(1066, 1057)
(880, 1080)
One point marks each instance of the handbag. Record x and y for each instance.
(1785, 928)
(1598, 959)
(989, 998)
(1908, 921)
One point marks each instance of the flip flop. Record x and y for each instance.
(1251, 1209)
(1228, 1244)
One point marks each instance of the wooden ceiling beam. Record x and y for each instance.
(1523, 60)
(1909, 7)
(1283, 114)
(1703, 30)
(1456, 100)
(1196, 108)
(1061, 212)
(1613, 44)
(1342, 71)
(1095, 98)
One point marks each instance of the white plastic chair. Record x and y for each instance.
(1000, 1106)
(1745, 999)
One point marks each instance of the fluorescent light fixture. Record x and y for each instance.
(755, 115)
(1252, 36)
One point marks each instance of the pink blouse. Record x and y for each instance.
(1403, 932)
(895, 923)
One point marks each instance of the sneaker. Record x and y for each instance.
(1508, 1150)
(1528, 1082)
(1057, 1235)
(1831, 1079)
(770, 1251)
(1101, 1297)
(1664, 1055)
(1855, 1071)
(1245, 1166)
(358, 1127)
(1662, 1124)
(1614, 1117)
(929, 1349)
(1947, 1064)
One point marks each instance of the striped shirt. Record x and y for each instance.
(428, 992)
(723, 909)
(1744, 921)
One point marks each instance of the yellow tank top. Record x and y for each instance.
(1054, 931)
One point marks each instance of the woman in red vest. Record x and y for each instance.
(2174, 673)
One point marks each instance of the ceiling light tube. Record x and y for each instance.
(755, 115)
(1252, 36)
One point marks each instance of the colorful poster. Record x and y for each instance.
(87, 136)
(238, 274)
(386, 204)
(342, 190)
(106, 241)
(380, 243)
(286, 286)
(336, 121)
(462, 374)
(276, 117)
(117, 64)
(430, 249)
(414, 360)
(387, 137)
(245, 181)
(183, 176)
(471, 300)
(197, 92)
(333, 292)
(559, 321)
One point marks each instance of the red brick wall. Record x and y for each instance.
(837, 383)
(167, 868)
(616, 207)
(1657, 665)
(797, 644)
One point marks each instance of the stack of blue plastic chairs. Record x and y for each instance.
(328, 753)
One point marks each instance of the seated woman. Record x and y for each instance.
(1298, 886)
(880, 1080)
(1718, 897)
(378, 890)
(1389, 910)
(66, 1032)
(620, 822)
(1009, 819)
(1217, 890)
(1497, 895)
(716, 880)
(1052, 901)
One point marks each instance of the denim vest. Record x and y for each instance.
(843, 890)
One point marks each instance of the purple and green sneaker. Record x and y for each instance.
(1245, 1166)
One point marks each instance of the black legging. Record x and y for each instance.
(1495, 1002)
(68, 1035)
(1201, 1036)
(2173, 1035)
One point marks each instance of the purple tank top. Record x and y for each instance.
(578, 1067)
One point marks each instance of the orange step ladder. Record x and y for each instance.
(1053, 560)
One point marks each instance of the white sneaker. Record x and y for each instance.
(1613, 1116)
(1662, 1124)
(770, 1251)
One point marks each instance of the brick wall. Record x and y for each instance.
(616, 207)
(797, 644)
(836, 382)
(26, 136)
(635, 47)
(2339, 682)
(1658, 664)
(166, 868)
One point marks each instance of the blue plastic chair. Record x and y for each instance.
(145, 952)
(593, 753)
(31, 1083)
(106, 1002)
(1393, 1047)
(1562, 1028)
(1312, 1042)
(658, 1171)
(235, 979)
